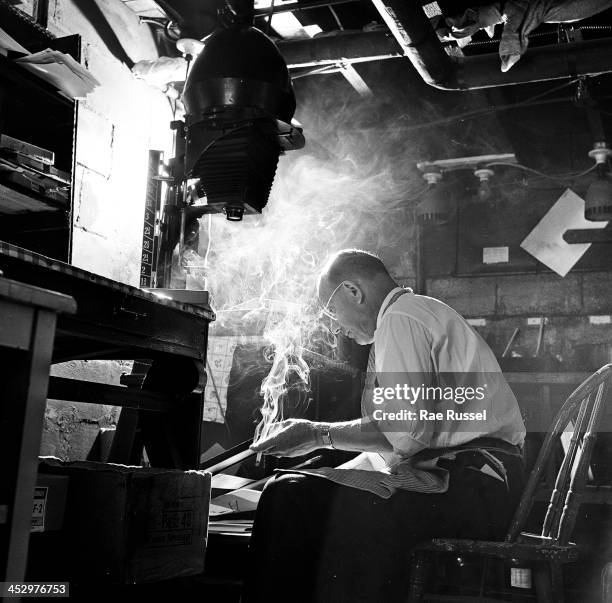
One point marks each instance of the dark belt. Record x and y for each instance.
(492, 445)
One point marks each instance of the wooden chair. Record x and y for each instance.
(548, 551)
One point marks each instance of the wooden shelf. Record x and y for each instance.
(21, 78)
(32, 214)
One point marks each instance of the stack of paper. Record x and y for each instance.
(62, 71)
(55, 67)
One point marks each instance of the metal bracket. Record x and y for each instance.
(465, 162)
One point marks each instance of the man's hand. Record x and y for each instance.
(293, 437)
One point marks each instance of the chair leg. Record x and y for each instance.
(548, 582)
(606, 583)
(418, 576)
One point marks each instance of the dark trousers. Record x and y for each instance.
(317, 541)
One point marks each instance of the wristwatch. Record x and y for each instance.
(326, 437)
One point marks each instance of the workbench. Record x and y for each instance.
(118, 321)
(110, 320)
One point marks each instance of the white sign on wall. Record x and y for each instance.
(545, 242)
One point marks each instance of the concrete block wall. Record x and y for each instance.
(116, 127)
(507, 301)
(70, 429)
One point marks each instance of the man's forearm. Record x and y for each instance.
(357, 436)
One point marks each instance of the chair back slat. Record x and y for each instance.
(557, 497)
(580, 402)
(537, 473)
(579, 479)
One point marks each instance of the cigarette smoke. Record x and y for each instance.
(353, 185)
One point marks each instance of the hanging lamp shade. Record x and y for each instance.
(435, 207)
(598, 201)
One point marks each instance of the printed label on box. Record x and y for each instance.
(177, 520)
(165, 539)
(38, 509)
(172, 528)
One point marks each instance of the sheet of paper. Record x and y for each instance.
(229, 482)
(8, 43)
(61, 70)
(545, 242)
(220, 358)
(236, 526)
(212, 452)
(495, 255)
(366, 461)
(235, 502)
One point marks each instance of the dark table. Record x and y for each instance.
(117, 321)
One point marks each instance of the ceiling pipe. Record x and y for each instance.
(412, 30)
(554, 62)
(417, 40)
(416, 37)
(352, 47)
(290, 7)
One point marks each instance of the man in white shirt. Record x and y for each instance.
(439, 402)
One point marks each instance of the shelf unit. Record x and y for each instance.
(33, 111)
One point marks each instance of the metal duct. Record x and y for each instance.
(418, 41)
(353, 47)
(412, 30)
(553, 62)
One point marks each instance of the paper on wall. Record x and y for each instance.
(220, 357)
(545, 242)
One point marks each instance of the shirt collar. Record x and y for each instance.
(386, 302)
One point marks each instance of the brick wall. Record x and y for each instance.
(506, 302)
(117, 125)
(70, 429)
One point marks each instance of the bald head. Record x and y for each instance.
(354, 265)
(352, 286)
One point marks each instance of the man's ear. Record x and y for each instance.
(354, 291)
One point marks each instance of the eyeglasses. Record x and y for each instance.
(325, 309)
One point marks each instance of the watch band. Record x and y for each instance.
(326, 437)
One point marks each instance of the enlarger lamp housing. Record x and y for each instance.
(239, 104)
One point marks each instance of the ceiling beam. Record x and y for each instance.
(289, 7)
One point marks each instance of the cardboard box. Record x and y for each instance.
(132, 524)
(49, 503)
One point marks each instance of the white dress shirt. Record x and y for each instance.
(421, 342)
